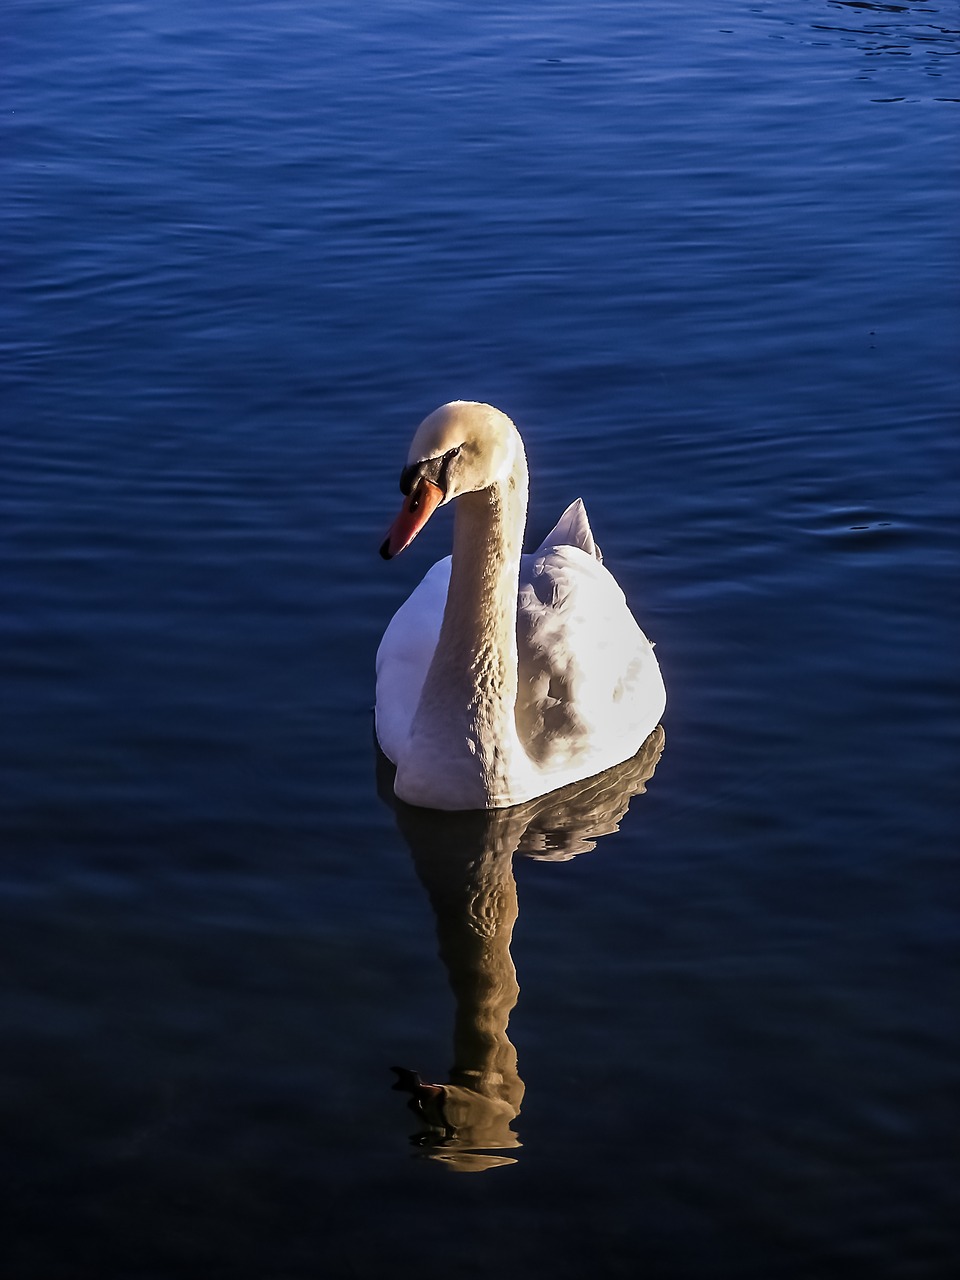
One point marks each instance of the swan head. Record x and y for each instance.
(462, 447)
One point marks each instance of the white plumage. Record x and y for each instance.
(504, 677)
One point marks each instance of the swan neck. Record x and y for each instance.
(465, 725)
(480, 619)
(464, 750)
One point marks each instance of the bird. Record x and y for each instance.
(504, 676)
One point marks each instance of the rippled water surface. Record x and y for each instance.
(706, 257)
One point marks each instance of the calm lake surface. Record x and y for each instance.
(706, 257)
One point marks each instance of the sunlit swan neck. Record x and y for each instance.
(470, 692)
(479, 631)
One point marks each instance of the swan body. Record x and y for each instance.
(504, 676)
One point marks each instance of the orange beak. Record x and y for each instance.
(424, 499)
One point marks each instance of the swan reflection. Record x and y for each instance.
(465, 863)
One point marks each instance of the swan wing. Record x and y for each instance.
(572, 530)
(590, 689)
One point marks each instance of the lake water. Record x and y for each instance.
(706, 257)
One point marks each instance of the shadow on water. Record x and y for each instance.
(465, 863)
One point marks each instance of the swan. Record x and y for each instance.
(504, 676)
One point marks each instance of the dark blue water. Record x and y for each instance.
(706, 257)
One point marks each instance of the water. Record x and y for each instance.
(707, 260)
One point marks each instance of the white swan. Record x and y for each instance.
(504, 677)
